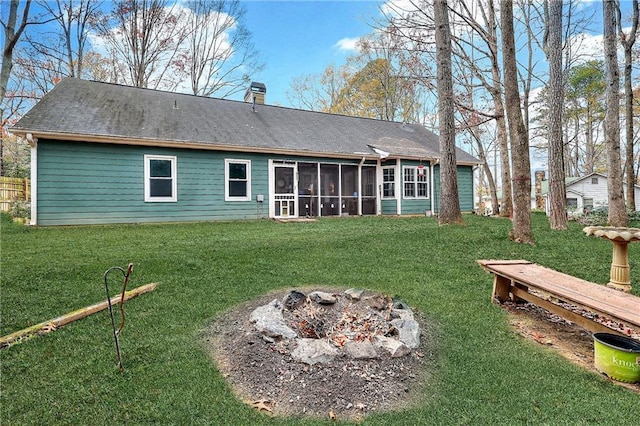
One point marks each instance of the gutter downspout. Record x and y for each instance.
(360, 186)
(398, 186)
(33, 143)
(473, 189)
(433, 192)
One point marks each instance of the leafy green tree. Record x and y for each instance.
(375, 91)
(585, 108)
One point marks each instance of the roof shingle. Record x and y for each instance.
(104, 110)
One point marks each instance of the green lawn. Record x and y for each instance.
(484, 373)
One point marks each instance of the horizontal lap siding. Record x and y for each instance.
(390, 206)
(465, 188)
(414, 206)
(419, 206)
(82, 183)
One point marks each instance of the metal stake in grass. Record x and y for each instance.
(116, 332)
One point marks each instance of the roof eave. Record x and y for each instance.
(186, 144)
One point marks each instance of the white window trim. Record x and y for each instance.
(227, 197)
(174, 177)
(415, 183)
(394, 182)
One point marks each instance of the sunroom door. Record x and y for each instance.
(285, 190)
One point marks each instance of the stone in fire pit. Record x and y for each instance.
(323, 352)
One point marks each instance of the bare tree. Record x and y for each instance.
(627, 41)
(375, 83)
(11, 36)
(617, 211)
(221, 56)
(74, 19)
(527, 70)
(555, 102)
(317, 92)
(60, 49)
(483, 21)
(449, 202)
(472, 123)
(13, 30)
(521, 231)
(145, 37)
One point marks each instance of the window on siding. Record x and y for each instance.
(160, 179)
(237, 180)
(416, 182)
(572, 203)
(388, 182)
(588, 203)
(594, 180)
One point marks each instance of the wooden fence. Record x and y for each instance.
(13, 189)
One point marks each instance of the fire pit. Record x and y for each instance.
(620, 276)
(324, 352)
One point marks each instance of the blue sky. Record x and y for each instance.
(301, 37)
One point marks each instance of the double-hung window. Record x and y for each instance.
(237, 176)
(388, 182)
(415, 182)
(160, 179)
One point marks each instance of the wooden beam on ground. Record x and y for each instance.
(589, 324)
(51, 325)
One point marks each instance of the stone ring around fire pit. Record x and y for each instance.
(323, 352)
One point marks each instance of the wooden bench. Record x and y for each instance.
(513, 280)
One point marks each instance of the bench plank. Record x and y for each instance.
(584, 322)
(598, 298)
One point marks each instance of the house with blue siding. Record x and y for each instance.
(105, 153)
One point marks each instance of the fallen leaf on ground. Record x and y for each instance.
(262, 405)
(538, 336)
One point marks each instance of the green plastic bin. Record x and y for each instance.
(617, 356)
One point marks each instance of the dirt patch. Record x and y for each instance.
(262, 372)
(557, 334)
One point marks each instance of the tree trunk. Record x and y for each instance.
(617, 211)
(590, 150)
(491, 182)
(449, 203)
(628, 42)
(521, 231)
(553, 48)
(11, 36)
(506, 209)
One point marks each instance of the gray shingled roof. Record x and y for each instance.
(104, 111)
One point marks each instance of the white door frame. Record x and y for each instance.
(288, 197)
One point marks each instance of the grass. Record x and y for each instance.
(484, 373)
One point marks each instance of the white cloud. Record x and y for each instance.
(348, 44)
(398, 8)
(586, 47)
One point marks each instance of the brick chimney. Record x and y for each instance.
(540, 177)
(255, 93)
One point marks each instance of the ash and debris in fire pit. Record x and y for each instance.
(323, 352)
